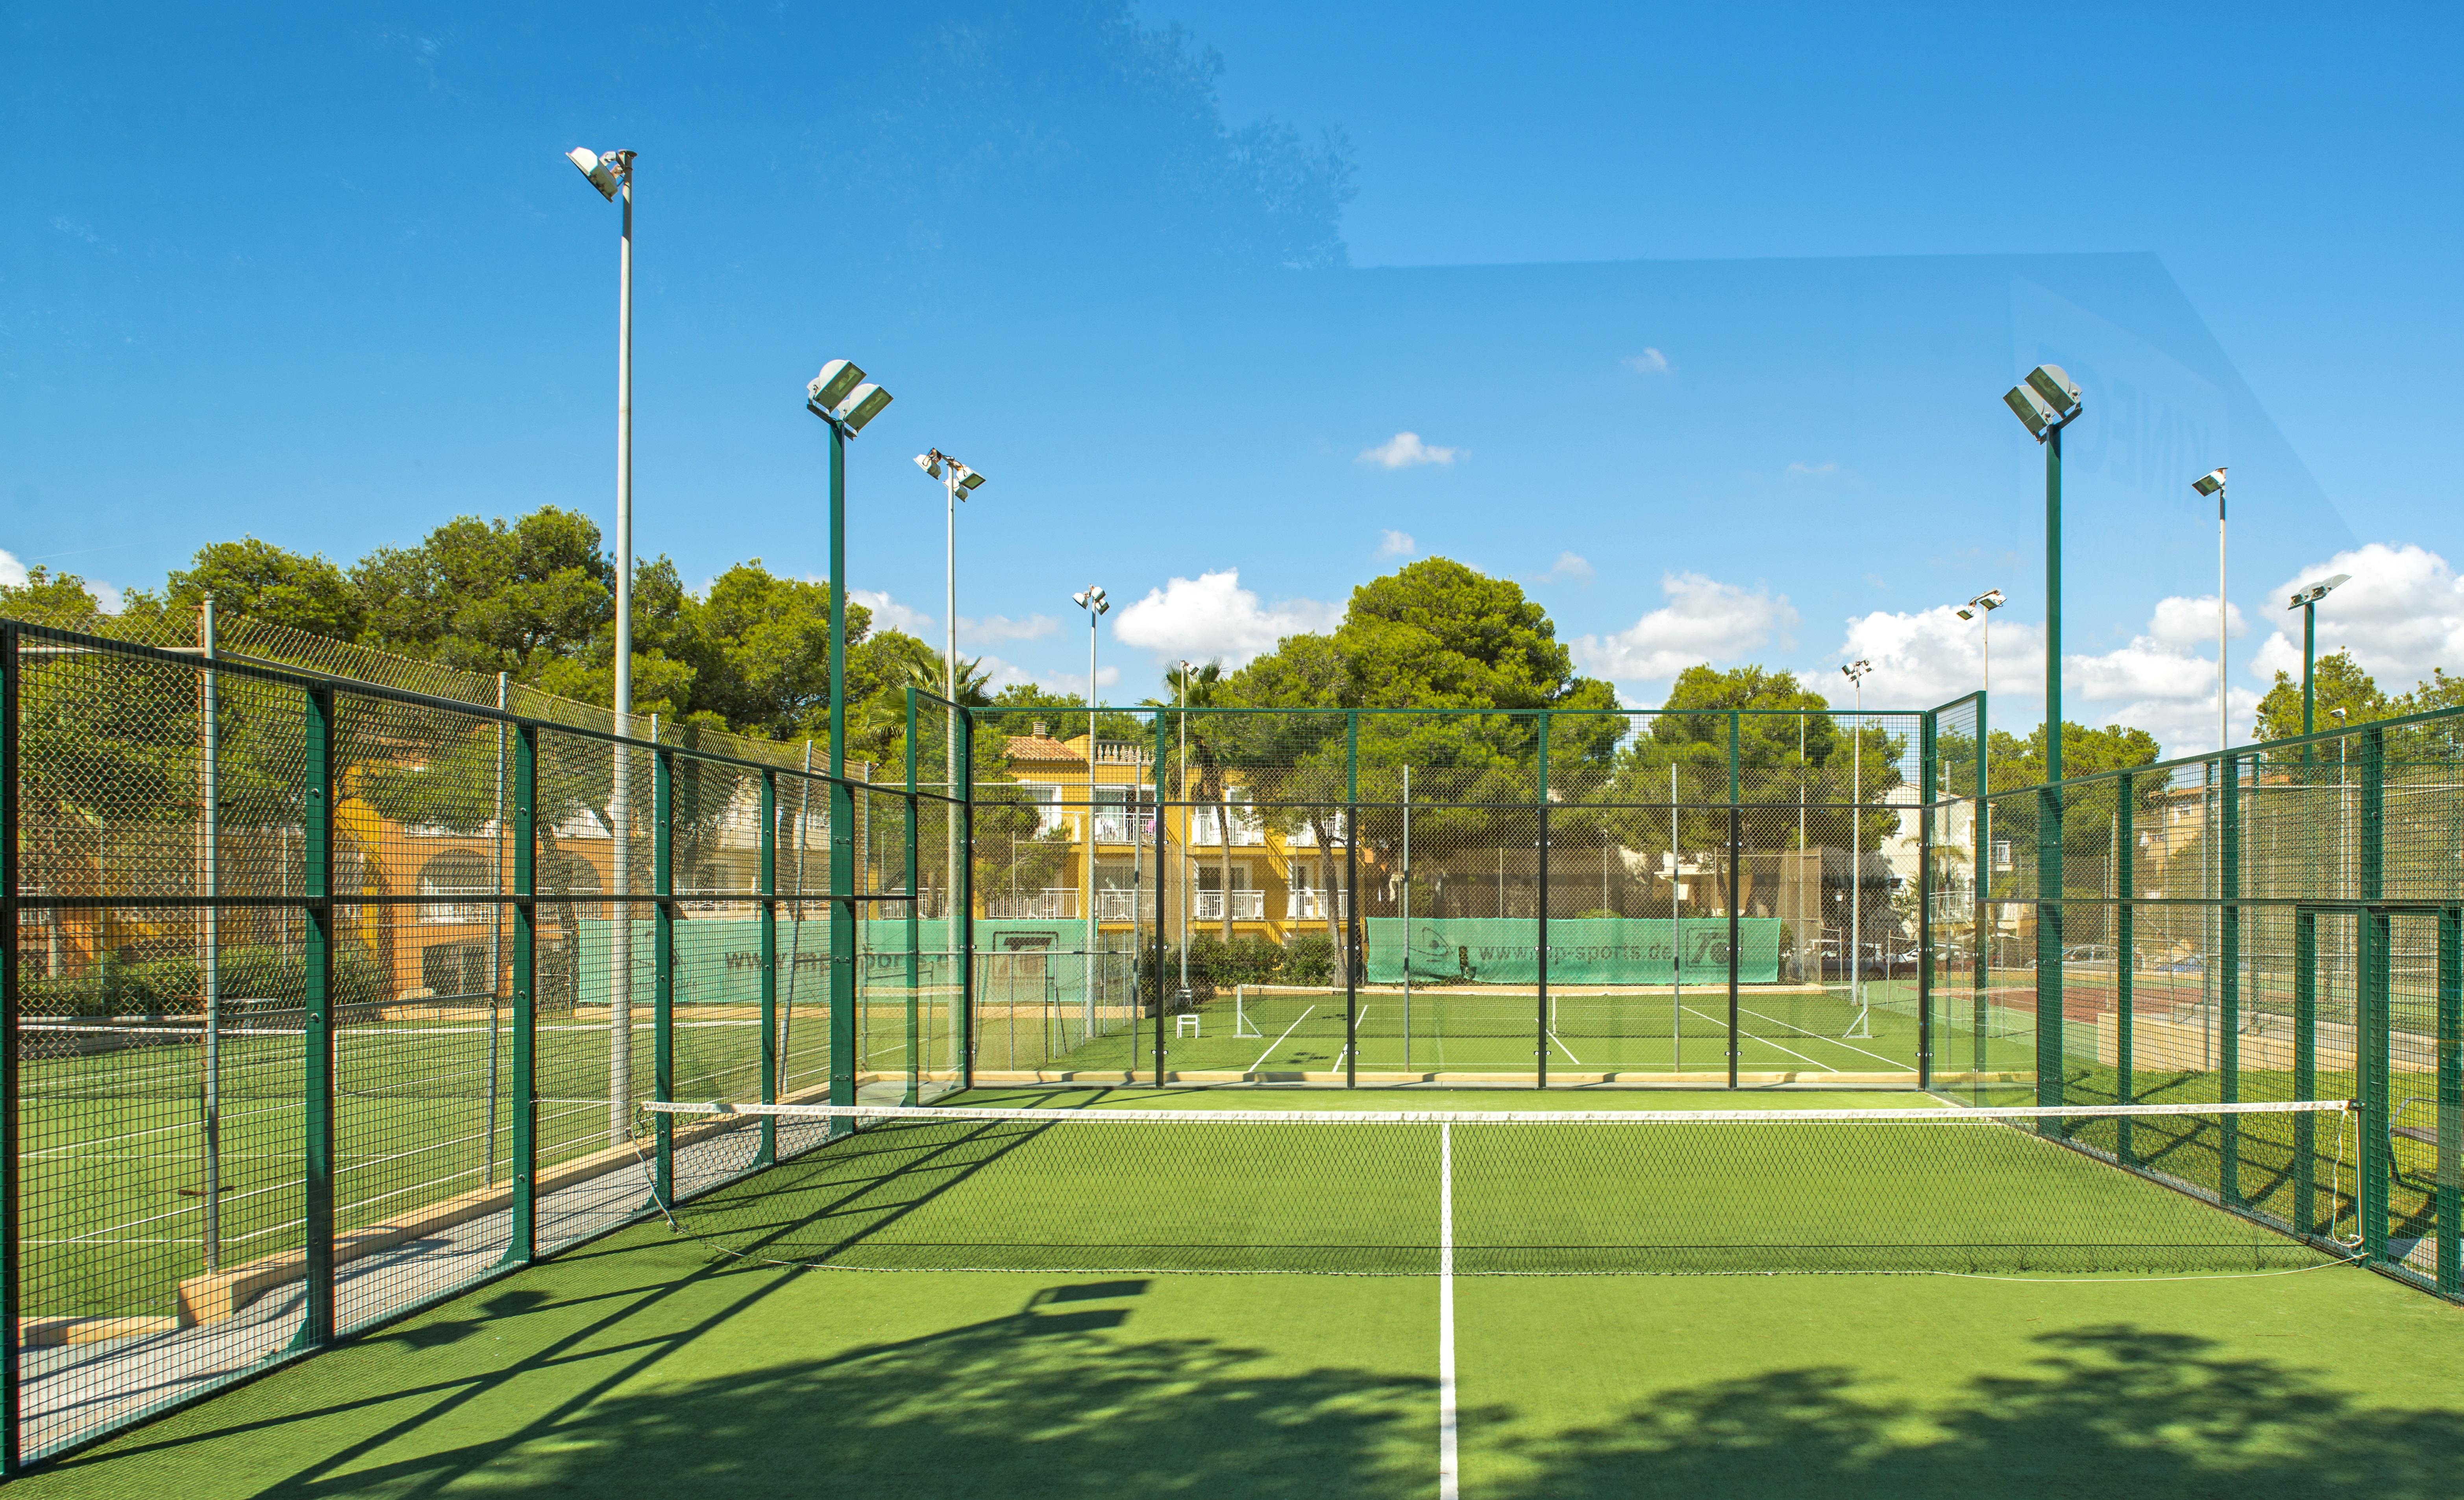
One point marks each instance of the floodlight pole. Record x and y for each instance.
(844, 406)
(615, 169)
(1094, 602)
(1856, 672)
(2046, 402)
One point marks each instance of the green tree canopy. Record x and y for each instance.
(2338, 683)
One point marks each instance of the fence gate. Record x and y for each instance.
(2379, 1014)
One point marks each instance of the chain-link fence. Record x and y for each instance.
(337, 981)
(330, 995)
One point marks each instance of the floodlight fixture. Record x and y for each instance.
(825, 390)
(594, 166)
(2209, 483)
(1984, 603)
(929, 463)
(863, 403)
(969, 481)
(1855, 671)
(1091, 599)
(2319, 590)
(2052, 382)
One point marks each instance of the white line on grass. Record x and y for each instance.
(1568, 1050)
(1838, 1041)
(1768, 1042)
(1446, 1466)
(1279, 1041)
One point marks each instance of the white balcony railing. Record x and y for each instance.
(1207, 824)
(1246, 905)
(1116, 905)
(1057, 903)
(1310, 905)
(456, 913)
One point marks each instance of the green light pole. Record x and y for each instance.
(844, 402)
(2045, 402)
(2307, 600)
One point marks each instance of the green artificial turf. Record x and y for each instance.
(638, 1367)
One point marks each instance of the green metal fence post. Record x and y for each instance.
(316, 1041)
(769, 960)
(914, 1090)
(1351, 892)
(11, 1258)
(2229, 980)
(2305, 1067)
(1541, 1053)
(1980, 830)
(966, 903)
(2373, 813)
(1926, 746)
(2126, 939)
(2450, 1099)
(2049, 1056)
(1736, 877)
(1155, 810)
(523, 1232)
(663, 996)
(2373, 932)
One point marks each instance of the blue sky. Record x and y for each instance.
(1694, 321)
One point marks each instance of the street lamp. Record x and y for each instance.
(1182, 704)
(2212, 483)
(2045, 402)
(1855, 671)
(2307, 600)
(846, 402)
(957, 482)
(1981, 607)
(612, 172)
(1091, 599)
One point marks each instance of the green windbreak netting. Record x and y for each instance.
(1582, 951)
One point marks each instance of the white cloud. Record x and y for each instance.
(13, 573)
(1212, 615)
(890, 614)
(1932, 656)
(1569, 567)
(1813, 469)
(1651, 362)
(106, 596)
(1001, 627)
(2402, 614)
(1072, 683)
(1704, 619)
(1395, 544)
(1000, 674)
(2180, 621)
(1406, 450)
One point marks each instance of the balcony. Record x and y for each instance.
(1205, 826)
(1053, 903)
(1246, 905)
(1311, 906)
(1116, 905)
(457, 913)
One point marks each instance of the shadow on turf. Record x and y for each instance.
(1064, 1398)
(2108, 1411)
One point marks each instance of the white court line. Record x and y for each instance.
(1768, 1042)
(1279, 1041)
(1446, 1424)
(1568, 1050)
(1841, 1041)
(1358, 1016)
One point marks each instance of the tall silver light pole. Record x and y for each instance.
(1982, 608)
(1855, 671)
(1090, 599)
(2212, 483)
(957, 482)
(612, 172)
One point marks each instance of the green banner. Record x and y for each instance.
(718, 958)
(1595, 950)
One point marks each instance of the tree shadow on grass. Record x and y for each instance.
(2111, 1410)
(1058, 1399)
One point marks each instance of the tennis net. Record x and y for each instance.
(2118, 1189)
(1575, 1013)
